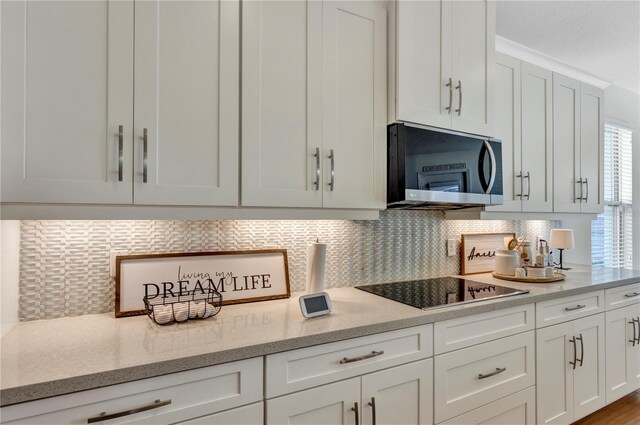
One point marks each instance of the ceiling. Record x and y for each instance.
(599, 37)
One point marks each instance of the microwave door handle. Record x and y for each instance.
(493, 166)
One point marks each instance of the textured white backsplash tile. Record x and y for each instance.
(64, 265)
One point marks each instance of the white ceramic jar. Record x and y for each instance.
(506, 262)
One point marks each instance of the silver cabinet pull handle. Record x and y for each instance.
(120, 151)
(580, 197)
(450, 85)
(528, 177)
(495, 372)
(578, 307)
(633, 341)
(586, 182)
(144, 155)
(355, 409)
(575, 354)
(359, 358)
(519, 176)
(105, 417)
(634, 294)
(581, 359)
(317, 156)
(332, 157)
(637, 338)
(372, 403)
(459, 110)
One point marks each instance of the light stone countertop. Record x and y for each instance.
(46, 358)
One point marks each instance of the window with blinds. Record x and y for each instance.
(611, 238)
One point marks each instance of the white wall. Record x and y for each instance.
(621, 106)
(9, 273)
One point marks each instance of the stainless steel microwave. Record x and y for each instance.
(436, 169)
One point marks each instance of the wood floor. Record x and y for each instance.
(625, 411)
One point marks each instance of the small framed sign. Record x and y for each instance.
(478, 251)
(239, 276)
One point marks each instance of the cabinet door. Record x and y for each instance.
(622, 354)
(355, 87)
(282, 103)
(66, 91)
(424, 81)
(566, 144)
(554, 384)
(186, 100)
(400, 395)
(507, 129)
(537, 139)
(588, 377)
(473, 59)
(328, 404)
(252, 414)
(592, 148)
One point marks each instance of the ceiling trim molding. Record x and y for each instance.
(519, 51)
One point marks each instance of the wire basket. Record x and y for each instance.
(188, 305)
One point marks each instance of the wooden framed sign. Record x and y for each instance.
(239, 276)
(478, 251)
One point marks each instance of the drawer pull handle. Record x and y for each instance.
(635, 294)
(105, 417)
(357, 359)
(495, 372)
(355, 409)
(372, 403)
(578, 307)
(120, 149)
(633, 323)
(575, 353)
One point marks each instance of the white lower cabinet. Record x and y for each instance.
(571, 370)
(622, 351)
(164, 399)
(252, 414)
(515, 409)
(399, 395)
(472, 377)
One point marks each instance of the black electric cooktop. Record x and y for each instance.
(440, 291)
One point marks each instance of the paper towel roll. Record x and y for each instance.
(316, 255)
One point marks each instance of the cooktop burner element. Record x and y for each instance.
(439, 292)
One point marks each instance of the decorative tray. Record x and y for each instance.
(558, 277)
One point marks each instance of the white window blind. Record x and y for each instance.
(611, 238)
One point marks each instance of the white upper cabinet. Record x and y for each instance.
(186, 103)
(523, 103)
(67, 109)
(71, 133)
(578, 133)
(445, 64)
(314, 104)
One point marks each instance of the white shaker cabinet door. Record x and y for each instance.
(588, 376)
(592, 148)
(329, 404)
(355, 99)
(622, 351)
(282, 103)
(473, 64)
(537, 139)
(400, 395)
(67, 105)
(566, 144)
(554, 383)
(186, 102)
(424, 81)
(507, 129)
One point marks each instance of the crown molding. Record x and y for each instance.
(511, 48)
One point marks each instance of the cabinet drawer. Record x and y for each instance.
(308, 367)
(469, 378)
(470, 330)
(622, 296)
(518, 408)
(569, 308)
(192, 393)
